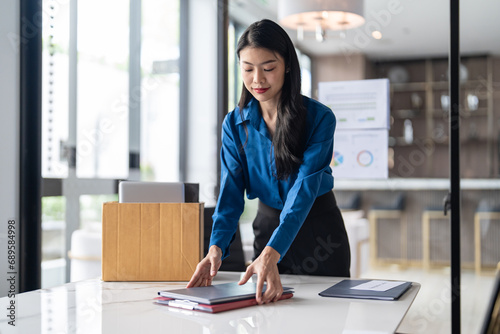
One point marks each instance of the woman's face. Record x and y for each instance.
(263, 73)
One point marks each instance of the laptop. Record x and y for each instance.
(151, 192)
(214, 308)
(216, 294)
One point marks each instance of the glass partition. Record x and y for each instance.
(103, 96)
(397, 226)
(55, 58)
(87, 98)
(160, 90)
(479, 157)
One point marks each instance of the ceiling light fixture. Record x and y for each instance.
(320, 15)
(376, 34)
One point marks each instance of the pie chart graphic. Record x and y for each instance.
(365, 158)
(338, 159)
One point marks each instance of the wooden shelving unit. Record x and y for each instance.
(421, 98)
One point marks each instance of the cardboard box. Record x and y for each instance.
(151, 241)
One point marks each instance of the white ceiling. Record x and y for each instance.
(419, 29)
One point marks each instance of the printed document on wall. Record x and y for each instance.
(357, 104)
(360, 154)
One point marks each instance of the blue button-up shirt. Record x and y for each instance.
(247, 163)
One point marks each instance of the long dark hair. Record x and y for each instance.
(288, 139)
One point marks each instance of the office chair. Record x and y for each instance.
(483, 212)
(392, 211)
(429, 213)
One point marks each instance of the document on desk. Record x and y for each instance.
(367, 289)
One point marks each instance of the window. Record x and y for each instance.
(160, 91)
(91, 84)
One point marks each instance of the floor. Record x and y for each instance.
(431, 310)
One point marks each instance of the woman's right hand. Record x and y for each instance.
(207, 268)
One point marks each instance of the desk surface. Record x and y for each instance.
(93, 306)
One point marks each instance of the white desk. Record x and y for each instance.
(94, 306)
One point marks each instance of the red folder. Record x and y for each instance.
(215, 308)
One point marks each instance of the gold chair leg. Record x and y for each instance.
(426, 256)
(477, 242)
(373, 239)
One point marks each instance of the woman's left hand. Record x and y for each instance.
(266, 268)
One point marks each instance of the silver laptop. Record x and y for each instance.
(215, 294)
(151, 192)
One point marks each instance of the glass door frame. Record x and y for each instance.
(455, 191)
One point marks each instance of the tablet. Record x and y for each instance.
(219, 293)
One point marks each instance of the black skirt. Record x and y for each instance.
(320, 248)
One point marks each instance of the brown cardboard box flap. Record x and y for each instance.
(151, 241)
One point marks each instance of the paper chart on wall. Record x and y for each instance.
(357, 104)
(360, 154)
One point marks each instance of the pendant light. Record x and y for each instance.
(320, 15)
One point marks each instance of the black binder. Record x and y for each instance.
(343, 289)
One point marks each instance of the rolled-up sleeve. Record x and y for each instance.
(314, 174)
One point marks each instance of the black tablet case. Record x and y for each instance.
(343, 290)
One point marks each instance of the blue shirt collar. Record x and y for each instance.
(251, 113)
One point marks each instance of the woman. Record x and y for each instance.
(277, 145)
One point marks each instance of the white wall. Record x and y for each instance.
(202, 98)
(9, 131)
